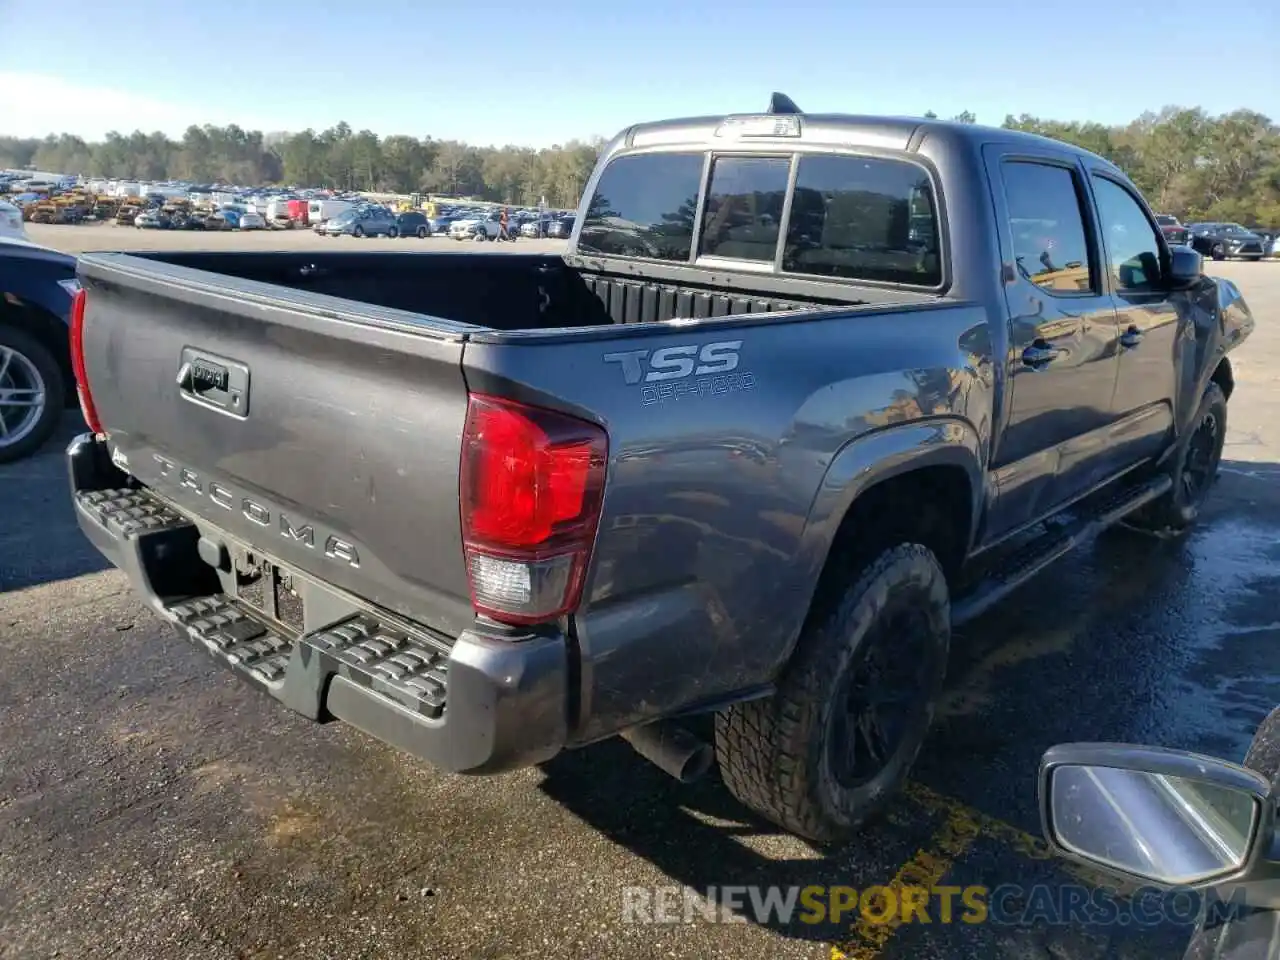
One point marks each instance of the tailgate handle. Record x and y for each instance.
(212, 381)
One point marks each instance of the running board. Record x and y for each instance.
(1012, 571)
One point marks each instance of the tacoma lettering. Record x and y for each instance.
(303, 534)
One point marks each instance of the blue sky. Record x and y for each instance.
(544, 71)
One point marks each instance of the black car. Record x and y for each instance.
(412, 223)
(36, 380)
(1223, 240)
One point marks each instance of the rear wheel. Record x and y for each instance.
(32, 391)
(358, 231)
(1194, 468)
(481, 237)
(392, 233)
(836, 741)
(422, 233)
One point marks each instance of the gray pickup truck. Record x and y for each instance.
(804, 392)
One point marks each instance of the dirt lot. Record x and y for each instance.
(152, 806)
(108, 236)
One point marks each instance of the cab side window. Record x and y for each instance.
(1050, 244)
(1133, 245)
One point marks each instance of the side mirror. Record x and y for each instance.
(1186, 267)
(1157, 816)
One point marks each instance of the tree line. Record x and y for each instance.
(338, 158)
(1187, 162)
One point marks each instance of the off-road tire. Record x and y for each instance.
(55, 392)
(1176, 510)
(773, 753)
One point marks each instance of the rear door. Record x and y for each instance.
(1137, 259)
(1062, 330)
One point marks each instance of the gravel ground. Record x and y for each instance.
(152, 806)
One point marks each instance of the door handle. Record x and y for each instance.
(1131, 337)
(1039, 355)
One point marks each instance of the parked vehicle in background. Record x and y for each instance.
(480, 226)
(1224, 241)
(367, 221)
(151, 220)
(413, 223)
(318, 211)
(1270, 241)
(11, 227)
(440, 225)
(531, 229)
(36, 379)
(802, 394)
(1173, 231)
(560, 229)
(252, 220)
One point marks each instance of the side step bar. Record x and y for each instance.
(1008, 573)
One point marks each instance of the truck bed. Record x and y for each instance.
(501, 291)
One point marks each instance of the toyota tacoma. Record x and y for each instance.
(804, 393)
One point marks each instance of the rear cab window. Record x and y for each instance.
(864, 218)
(743, 214)
(852, 217)
(644, 206)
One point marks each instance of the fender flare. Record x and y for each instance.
(873, 458)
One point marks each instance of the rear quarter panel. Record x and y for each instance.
(717, 513)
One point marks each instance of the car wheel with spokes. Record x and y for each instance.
(31, 394)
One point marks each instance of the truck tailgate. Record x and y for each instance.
(325, 440)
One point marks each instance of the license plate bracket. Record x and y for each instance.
(270, 590)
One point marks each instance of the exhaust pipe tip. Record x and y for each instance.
(672, 749)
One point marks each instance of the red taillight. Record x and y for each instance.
(532, 482)
(77, 363)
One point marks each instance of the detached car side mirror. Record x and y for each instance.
(1186, 266)
(1161, 817)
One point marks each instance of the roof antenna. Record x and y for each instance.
(781, 103)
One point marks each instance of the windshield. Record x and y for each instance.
(1233, 228)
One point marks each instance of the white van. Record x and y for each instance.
(318, 211)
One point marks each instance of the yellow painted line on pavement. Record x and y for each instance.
(962, 826)
(925, 870)
(1025, 844)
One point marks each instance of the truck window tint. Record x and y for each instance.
(864, 219)
(744, 207)
(644, 207)
(1050, 245)
(1133, 252)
